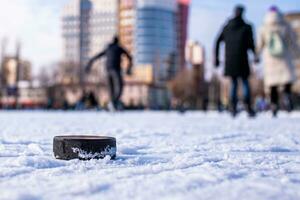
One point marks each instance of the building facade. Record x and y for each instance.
(126, 26)
(127, 13)
(153, 31)
(183, 19)
(14, 71)
(71, 31)
(18, 90)
(156, 36)
(88, 27)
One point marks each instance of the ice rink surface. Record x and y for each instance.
(160, 155)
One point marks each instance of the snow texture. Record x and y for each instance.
(160, 155)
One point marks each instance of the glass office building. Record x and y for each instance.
(154, 31)
(156, 36)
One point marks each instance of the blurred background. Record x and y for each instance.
(45, 46)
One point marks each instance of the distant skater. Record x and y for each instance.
(238, 38)
(277, 43)
(113, 54)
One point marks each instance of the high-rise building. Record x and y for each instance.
(141, 21)
(71, 31)
(127, 13)
(183, 18)
(103, 24)
(156, 36)
(88, 26)
(153, 31)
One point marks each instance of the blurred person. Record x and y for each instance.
(87, 101)
(92, 100)
(113, 54)
(277, 44)
(238, 38)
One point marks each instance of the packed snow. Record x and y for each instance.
(160, 155)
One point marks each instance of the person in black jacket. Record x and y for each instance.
(238, 38)
(113, 54)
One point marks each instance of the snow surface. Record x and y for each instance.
(160, 156)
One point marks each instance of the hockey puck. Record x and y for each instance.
(84, 147)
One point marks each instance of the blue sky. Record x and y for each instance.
(37, 23)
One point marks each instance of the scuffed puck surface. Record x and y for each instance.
(84, 147)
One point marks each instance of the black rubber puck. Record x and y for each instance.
(84, 147)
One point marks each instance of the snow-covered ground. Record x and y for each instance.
(160, 156)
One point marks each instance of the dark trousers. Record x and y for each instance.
(275, 95)
(246, 92)
(115, 83)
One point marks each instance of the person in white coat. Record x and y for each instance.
(277, 44)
